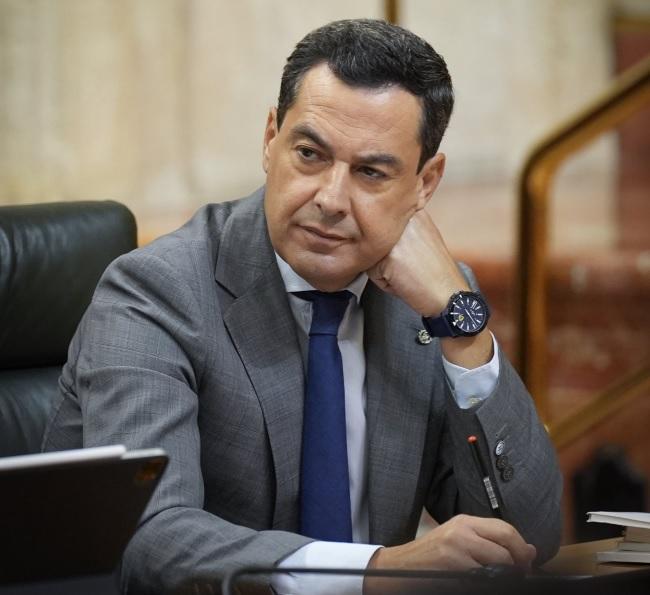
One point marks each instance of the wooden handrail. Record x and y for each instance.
(576, 424)
(629, 94)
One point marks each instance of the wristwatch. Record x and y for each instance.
(466, 315)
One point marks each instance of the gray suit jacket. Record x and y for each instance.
(190, 345)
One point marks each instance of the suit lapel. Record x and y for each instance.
(257, 315)
(262, 329)
(397, 410)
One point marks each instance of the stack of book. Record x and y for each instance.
(634, 548)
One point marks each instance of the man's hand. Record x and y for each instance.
(419, 268)
(421, 271)
(461, 543)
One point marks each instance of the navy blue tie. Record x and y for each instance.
(324, 481)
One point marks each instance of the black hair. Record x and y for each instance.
(372, 53)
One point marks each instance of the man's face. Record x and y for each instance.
(341, 177)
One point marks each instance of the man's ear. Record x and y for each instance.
(270, 133)
(429, 178)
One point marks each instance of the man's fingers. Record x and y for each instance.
(380, 276)
(419, 268)
(505, 535)
(461, 543)
(487, 552)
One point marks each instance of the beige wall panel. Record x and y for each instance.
(160, 104)
(237, 53)
(520, 67)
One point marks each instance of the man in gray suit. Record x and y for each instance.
(198, 344)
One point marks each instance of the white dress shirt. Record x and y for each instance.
(468, 387)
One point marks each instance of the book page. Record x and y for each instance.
(626, 519)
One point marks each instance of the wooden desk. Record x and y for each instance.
(580, 558)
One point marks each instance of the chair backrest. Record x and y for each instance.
(51, 257)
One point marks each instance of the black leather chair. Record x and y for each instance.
(51, 257)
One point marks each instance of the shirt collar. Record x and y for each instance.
(293, 282)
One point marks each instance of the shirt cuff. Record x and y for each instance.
(470, 387)
(324, 554)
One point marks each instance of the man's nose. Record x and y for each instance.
(332, 197)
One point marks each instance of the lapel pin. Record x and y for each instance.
(423, 337)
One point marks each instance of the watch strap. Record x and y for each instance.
(438, 326)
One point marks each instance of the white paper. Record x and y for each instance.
(625, 519)
(628, 557)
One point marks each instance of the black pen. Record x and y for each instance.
(483, 472)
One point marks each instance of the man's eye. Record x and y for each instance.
(307, 153)
(371, 172)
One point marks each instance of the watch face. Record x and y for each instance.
(468, 313)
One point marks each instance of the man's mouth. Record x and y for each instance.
(322, 234)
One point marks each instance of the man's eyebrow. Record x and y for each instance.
(303, 130)
(387, 159)
(310, 133)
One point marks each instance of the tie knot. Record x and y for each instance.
(327, 310)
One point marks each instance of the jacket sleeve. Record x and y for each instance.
(531, 498)
(134, 372)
